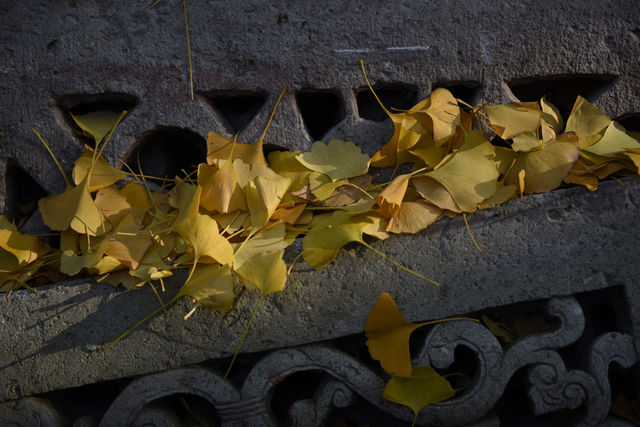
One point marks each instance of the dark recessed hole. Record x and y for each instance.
(499, 142)
(167, 152)
(320, 111)
(465, 90)
(398, 96)
(636, 32)
(22, 193)
(298, 386)
(237, 107)
(630, 121)
(270, 148)
(83, 104)
(561, 90)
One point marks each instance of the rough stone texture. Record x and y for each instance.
(58, 56)
(541, 246)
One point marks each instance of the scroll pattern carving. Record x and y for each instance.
(551, 386)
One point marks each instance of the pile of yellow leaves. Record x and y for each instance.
(236, 214)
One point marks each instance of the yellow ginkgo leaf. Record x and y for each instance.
(526, 141)
(263, 197)
(98, 124)
(201, 232)
(136, 195)
(322, 186)
(114, 205)
(329, 234)
(435, 193)
(614, 141)
(586, 119)
(545, 169)
(24, 248)
(472, 163)
(74, 208)
(551, 121)
(285, 163)
(72, 263)
(413, 217)
(337, 159)
(220, 189)
(514, 118)
(268, 240)
(102, 173)
(424, 387)
(266, 272)
(152, 267)
(388, 336)
(444, 112)
(390, 199)
(128, 242)
(222, 148)
(211, 286)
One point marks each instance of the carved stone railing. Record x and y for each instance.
(575, 252)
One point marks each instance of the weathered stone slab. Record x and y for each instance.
(542, 246)
(63, 55)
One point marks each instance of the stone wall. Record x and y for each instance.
(572, 250)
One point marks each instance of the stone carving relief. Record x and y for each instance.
(346, 381)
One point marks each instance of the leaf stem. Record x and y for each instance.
(55, 160)
(273, 113)
(186, 24)
(397, 264)
(134, 327)
(466, 223)
(244, 335)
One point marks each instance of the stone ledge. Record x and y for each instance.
(542, 246)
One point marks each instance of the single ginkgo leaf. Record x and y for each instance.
(614, 141)
(128, 242)
(424, 387)
(74, 208)
(545, 169)
(266, 272)
(220, 189)
(586, 119)
(97, 124)
(337, 159)
(329, 234)
(263, 197)
(24, 248)
(102, 173)
(503, 193)
(211, 286)
(285, 163)
(106, 265)
(514, 118)
(272, 239)
(472, 163)
(201, 232)
(388, 336)
(72, 263)
(413, 217)
(289, 215)
(435, 193)
(551, 121)
(526, 141)
(136, 195)
(444, 112)
(589, 181)
(114, 205)
(390, 199)
(222, 148)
